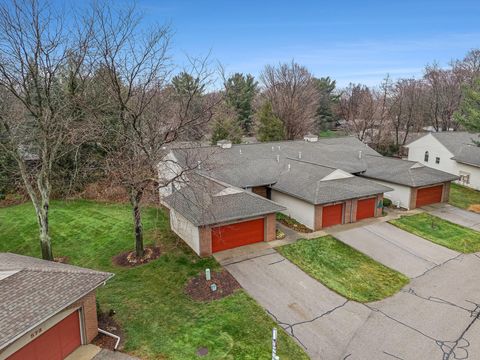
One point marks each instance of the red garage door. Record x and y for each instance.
(366, 208)
(332, 215)
(235, 235)
(55, 344)
(429, 195)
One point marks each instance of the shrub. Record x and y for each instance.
(387, 202)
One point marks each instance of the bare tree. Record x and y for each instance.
(41, 72)
(358, 107)
(149, 113)
(291, 90)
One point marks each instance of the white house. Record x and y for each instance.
(452, 152)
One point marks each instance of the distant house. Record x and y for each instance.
(452, 152)
(47, 309)
(230, 197)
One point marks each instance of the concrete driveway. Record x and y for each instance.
(395, 248)
(434, 317)
(458, 216)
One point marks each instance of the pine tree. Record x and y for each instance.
(240, 91)
(270, 127)
(226, 129)
(326, 117)
(469, 113)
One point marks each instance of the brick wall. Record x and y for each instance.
(270, 227)
(318, 217)
(413, 198)
(89, 311)
(446, 192)
(205, 235)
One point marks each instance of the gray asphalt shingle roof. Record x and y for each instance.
(249, 165)
(33, 290)
(205, 201)
(404, 172)
(306, 181)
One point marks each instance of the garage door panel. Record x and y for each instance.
(332, 215)
(54, 344)
(366, 208)
(429, 195)
(238, 234)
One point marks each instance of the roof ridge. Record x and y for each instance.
(312, 163)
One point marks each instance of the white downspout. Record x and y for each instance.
(111, 335)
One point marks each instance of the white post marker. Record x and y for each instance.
(274, 344)
(207, 274)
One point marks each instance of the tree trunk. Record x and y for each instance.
(45, 243)
(135, 198)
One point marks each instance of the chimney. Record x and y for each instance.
(278, 158)
(359, 154)
(299, 154)
(224, 144)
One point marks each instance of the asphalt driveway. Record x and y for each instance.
(456, 215)
(434, 317)
(396, 248)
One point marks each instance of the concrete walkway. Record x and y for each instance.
(396, 248)
(456, 215)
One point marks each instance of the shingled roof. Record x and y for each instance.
(404, 172)
(206, 201)
(33, 290)
(319, 184)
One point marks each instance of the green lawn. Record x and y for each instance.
(344, 269)
(441, 232)
(159, 321)
(463, 197)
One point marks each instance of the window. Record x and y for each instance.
(464, 178)
(425, 158)
(437, 160)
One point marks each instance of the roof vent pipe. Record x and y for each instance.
(278, 147)
(240, 150)
(359, 154)
(273, 148)
(299, 154)
(289, 166)
(278, 158)
(198, 164)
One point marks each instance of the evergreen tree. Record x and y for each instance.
(240, 91)
(270, 127)
(184, 84)
(326, 117)
(226, 129)
(469, 113)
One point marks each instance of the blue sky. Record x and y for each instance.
(351, 41)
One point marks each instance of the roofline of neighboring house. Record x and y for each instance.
(421, 137)
(466, 163)
(326, 202)
(414, 186)
(267, 142)
(16, 337)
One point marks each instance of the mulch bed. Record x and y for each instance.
(129, 259)
(474, 208)
(62, 259)
(108, 323)
(295, 226)
(198, 288)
